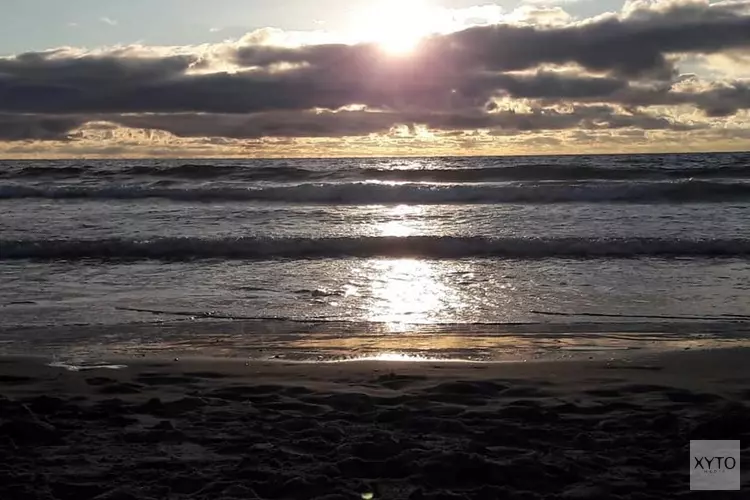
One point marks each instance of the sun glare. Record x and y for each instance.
(397, 26)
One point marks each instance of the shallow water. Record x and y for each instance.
(369, 248)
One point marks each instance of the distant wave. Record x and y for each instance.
(181, 249)
(46, 172)
(544, 172)
(377, 193)
(285, 173)
(190, 171)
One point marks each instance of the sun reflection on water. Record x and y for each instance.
(409, 290)
(405, 290)
(403, 220)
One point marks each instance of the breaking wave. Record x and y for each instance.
(550, 172)
(379, 193)
(287, 173)
(435, 247)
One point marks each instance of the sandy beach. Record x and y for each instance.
(212, 429)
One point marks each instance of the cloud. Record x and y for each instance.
(537, 72)
(341, 75)
(539, 15)
(107, 84)
(107, 20)
(37, 127)
(350, 123)
(715, 99)
(634, 44)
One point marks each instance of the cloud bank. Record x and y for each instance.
(517, 83)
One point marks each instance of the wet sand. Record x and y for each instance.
(212, 429)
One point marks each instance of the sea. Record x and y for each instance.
(317, 260)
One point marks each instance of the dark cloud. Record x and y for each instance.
(356, 123)
(721, 101)
(449, 83)
(121, 66)
(61, 81)
(389, 85)
(550, 85)
(715, 100)
(304, 88)
(326, 124)
(35, 127)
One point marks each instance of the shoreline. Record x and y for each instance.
(345, 341)
(603, 357)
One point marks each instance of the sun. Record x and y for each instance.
(397, 26)
(399, 45)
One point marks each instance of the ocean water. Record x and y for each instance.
(480, 258)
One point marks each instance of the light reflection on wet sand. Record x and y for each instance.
(316, 342)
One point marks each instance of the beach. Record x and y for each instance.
(396, 329)
(191, 428)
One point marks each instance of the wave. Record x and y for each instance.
(46, 172)
(236, 172)
(431, 247)
(552, 172)
(379, 193)
(285, 173)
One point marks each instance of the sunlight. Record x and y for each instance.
(399, 357)
(396, 228)
(408, 290)
(392, 356)
(405, 291)
(405, 220)
(397, 25)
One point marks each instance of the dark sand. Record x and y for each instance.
(223, 430)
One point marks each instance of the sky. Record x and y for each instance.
(291, 78)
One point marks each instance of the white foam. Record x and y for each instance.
(358, 193)
(84, 367)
